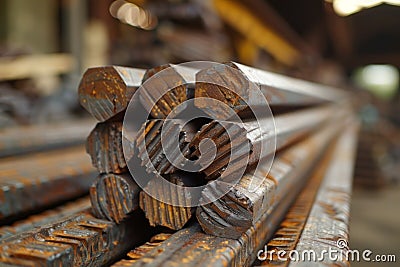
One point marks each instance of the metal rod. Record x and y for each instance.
(114, 196)
(49, 216)
(160, 213)
(256, 195)
(79, 240)
(327, 226)
(231, 84)
(104, 145)
(39, 180)
(163, 93)
(106, 91)
(260, 134)
(151, 149)
(34, 138)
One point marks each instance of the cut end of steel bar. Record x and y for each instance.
(160, 213)
(114, 196)
(106, 91)
(104, 145)
(152, 148)
(163, 90)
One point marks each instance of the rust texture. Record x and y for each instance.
(328, 221)
(233, 83)
(160, 213)
(135, 254)
(35, 138)
(104, 145)
(151, 150)
(106, 91)
(290, 229)
(288, 128)
(49, 216)
(169, 86)
(39, 180)
(79, 240)
(231, 215)
(114, 196)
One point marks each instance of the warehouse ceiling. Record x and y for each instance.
(370, 36)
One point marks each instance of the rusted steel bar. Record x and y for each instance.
(166, 90)
(160, 213)
(319, 216)
(259, 135)
(227, 82)
(327, 226)
(104, 145)
(114, 196)
(255, 195)
(79, 240)
(191, 247)
(140, 251)
(35, 138)
(49, 216)
(39, 180)
(106, 91)
(152, 148)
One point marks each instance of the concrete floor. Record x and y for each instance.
(375, 223)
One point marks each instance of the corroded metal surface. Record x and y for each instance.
(191, 247)
(39, 180)
(79, 240)
(160, 213)
(231, 84)
(152, 149)
(104, 145)
(114, 196)
(106, 91)
(140, 251)
(328, 221)
(164, 92)
(259, 135)
(245, 203)
(35, 138)
(49, 216)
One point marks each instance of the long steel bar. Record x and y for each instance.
(327, 226)
(44, 218)
(259, 134)
(42, 179)
(106, 91)
(319, 217)
(255, 195)
(79, 240)
(230, 84)
(35, 138)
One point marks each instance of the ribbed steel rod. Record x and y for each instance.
(35, 138)
(259, 134)
(39, 180)
(234, 84)
(255, 195)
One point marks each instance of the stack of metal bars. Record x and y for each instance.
(300, 203)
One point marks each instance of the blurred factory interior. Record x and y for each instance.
(46, 45)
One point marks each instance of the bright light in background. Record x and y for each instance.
(381, 80)
(133, 15)
(348, 7)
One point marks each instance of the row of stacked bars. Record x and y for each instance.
(307, 118)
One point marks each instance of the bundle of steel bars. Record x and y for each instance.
(276, 182)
